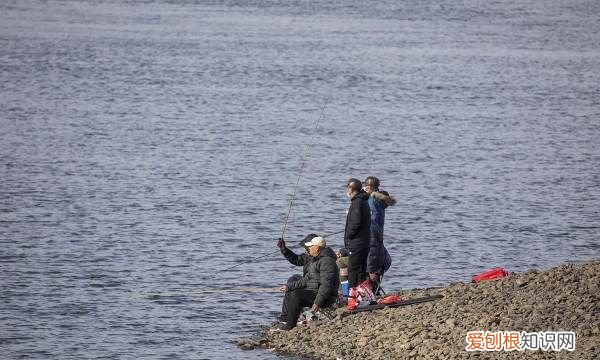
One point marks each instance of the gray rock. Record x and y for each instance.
(451, 323)
(521, 282)
(247, 346)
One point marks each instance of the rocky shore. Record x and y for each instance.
(565, 298)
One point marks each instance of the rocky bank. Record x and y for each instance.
(565, 298)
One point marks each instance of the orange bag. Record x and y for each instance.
(491, 274)
(389, 299)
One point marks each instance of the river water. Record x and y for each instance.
(146, 146)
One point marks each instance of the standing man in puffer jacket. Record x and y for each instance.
(378, 202)
(356, 235)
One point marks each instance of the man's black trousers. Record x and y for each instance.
(294, 301)
(357, 266)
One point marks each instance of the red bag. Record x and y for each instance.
(491, 274)
(388, 300)
(361, 295)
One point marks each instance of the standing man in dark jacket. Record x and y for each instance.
(318, 287)
(356, 235)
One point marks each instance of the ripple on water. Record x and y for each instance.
(144, 152)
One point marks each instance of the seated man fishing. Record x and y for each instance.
(295, 281)
(317, 288)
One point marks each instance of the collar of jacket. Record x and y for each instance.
(384, 197)
(361, 194)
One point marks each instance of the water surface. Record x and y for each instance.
(147, 145)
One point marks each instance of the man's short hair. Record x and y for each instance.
(354, 184)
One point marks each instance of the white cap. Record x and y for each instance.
(319, 241)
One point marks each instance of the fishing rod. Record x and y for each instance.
(304, 157)
(291, 203)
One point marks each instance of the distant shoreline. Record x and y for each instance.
(564, 298)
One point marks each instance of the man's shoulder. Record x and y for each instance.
(328, 258)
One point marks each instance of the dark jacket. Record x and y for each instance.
(358, 223)
(378, 202)
(303, 260)
(321, 274)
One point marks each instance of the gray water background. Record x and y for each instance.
(146, 145)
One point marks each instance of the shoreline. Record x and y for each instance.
(563, 298)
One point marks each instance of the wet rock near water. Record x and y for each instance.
(565, 298)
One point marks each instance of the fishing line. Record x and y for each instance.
(201, 292)
(230, 289)
(269, 254)
(249, 260)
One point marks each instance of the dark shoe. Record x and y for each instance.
(282, 318)
(284, 327)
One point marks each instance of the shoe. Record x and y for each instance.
(284, 327)
(282, 318)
